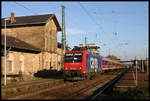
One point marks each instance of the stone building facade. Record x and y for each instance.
(31, 44)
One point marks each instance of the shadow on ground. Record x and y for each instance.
(49, 74)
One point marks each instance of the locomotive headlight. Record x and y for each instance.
(80, 67)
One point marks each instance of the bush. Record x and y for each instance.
(10, 91)
(13, 81)
(20, 79)
(139, 93)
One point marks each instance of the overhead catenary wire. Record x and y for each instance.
(26, 8)
(95, 21)
(115, 33)
(101, 27)
(45, 4)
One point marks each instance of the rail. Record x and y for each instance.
(106, 86)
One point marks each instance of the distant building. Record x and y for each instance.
(31, 44)
(92, 48)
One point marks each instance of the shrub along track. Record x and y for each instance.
(68, 90)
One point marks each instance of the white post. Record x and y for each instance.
(5, 54)
(147, 62)
(142, 66)
(136, 72)
(146, 43)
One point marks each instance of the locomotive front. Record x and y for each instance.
(74, 65)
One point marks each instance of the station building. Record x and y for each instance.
(31, 44)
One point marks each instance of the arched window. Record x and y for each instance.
(33, 61)
(46, 42)
(21, 63)
(10, 63)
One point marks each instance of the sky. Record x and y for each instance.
(119, 28)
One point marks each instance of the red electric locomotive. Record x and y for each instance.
(80, 64)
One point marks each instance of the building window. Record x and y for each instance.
(10, 63)
(21, 63)
(46, 42)
(33, 59)
(39, 62)
(21, 66)
(10, 67)
(46, 65)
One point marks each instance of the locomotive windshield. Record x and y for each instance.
(73, 57)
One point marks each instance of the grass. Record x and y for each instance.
(12, 81)
(20, 89)
(9, 91)
(18, 79)
(138, 93)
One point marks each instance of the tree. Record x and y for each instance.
(113, 57)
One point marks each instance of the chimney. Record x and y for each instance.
(12, 19)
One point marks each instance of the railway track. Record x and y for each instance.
(70, 90)
(81, 93)
(106, 86)
(26, 83)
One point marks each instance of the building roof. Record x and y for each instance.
(31, 20)
(16, 43)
